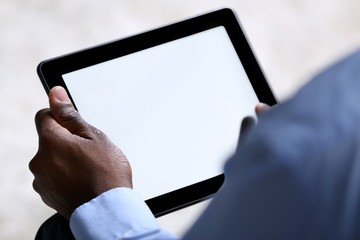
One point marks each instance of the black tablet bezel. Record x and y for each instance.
(51, 71)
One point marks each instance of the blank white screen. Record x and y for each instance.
(174, 109)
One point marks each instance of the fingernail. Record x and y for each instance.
(261, 108)
(262, 104)
(61, 95)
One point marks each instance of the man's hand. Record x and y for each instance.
(75, 162)
(249, 122)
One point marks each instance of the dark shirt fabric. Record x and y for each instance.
(297, 174)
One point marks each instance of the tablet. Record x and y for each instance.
(172, 99)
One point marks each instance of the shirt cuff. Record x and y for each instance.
(115, 214)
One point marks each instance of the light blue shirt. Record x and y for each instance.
(296, 176)
(119, 213)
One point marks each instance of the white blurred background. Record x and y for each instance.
(293, 39)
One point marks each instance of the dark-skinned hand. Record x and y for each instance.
(75, 161)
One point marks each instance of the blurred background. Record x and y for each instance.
(292, 39)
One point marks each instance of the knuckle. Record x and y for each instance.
(39, 116)
(33, 164)
(96, 132)
(35, 186)
(69, 115)
(43, 123)
(87, 131)
(49, 131)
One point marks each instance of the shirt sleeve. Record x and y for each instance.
(119, 213)
(297, 174)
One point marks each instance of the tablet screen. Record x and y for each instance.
(174, 109)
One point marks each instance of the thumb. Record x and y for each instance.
(66, 115)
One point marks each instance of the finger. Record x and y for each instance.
(260, 108)
(66, 115)
(39, 118)
(36, 186)
(33, 165)
(246, 124)
(46, 124)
